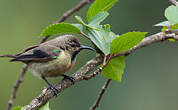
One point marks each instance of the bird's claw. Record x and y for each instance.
(55, 91)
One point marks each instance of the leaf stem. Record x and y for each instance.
(86, 36)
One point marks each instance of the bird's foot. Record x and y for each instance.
(55, 91)
(69, 78)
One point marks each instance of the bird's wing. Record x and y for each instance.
(39, 54)
(27, 49)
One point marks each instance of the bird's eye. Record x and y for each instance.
(72, 44)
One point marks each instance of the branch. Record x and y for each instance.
(16, 86)
(159, 37)
(73, 10)
(46, 95)
(69, 13)
(174, 2)
(103, 89)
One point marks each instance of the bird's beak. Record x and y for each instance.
(86, 47)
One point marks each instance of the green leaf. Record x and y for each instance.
(79, 19)
(98, 18)
(171, 13)
(126, 41)
(79, 26)
(17, 108)
(97, 39)
(99, 6)
(45, 107)
(164, 28)
(101, 37)
(164, 23)
(115, 69)
(172, 40)
(173, 27)
(60, 28)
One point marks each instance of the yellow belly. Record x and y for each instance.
(52, 68)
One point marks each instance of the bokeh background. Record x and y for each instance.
(150, 77)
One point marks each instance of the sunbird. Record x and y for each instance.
(52, 58)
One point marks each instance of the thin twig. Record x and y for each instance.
(44, 39)
(105, 63)
(73, 10)
(174, 2)
(103, 89)
(69, 13)
(16, 86)
(87, 77)
(85, 35)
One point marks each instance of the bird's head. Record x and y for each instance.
(71, 44)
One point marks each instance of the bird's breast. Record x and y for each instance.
(54, 67)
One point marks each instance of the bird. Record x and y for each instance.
(52, 58)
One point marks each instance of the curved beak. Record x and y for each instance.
(86, 47)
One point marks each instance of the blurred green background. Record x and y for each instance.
(150, 78)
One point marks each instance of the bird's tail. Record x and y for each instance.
(8, 55)
(22, 58)
(14, 57)
(18, 57)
